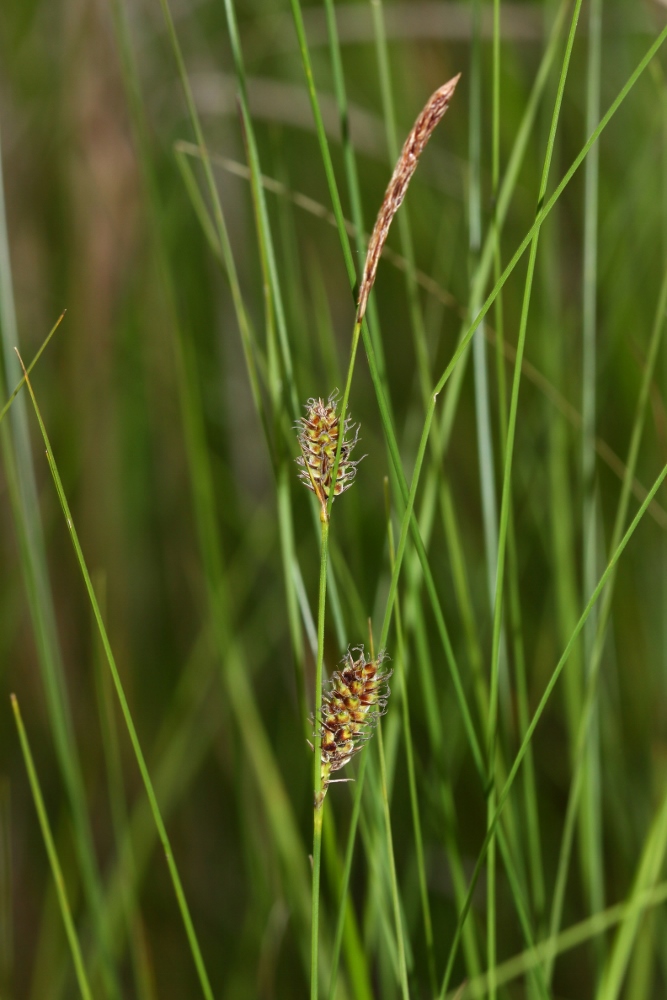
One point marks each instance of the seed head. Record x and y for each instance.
(356, 697)
(318, 440)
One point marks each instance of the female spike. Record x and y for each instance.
(318, 440)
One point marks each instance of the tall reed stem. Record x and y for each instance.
(317, 781)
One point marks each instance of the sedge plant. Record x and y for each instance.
(326, 437)
(215, 669)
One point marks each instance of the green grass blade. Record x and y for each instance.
(544, 210)
(508, 452)
(143, 979)
(514, 609)
(407, 520)
(485, 459)
(482, 400)
(398, 921)
(542, 215)
(186, 735)
(255, 361)
(5, 410)
(507, 189)
(58, 879)
(218, 216)
(241, 698)
(592, 806)
(134, 739)
(18, 463)
(588, 713)
(573, 937)
(403, 695)
(264, 231)
(351, 171)
(6, 914)
(323, 142)
(502, 798)
(403, 218)
(514, 400)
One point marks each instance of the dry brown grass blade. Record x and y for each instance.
(422, 130)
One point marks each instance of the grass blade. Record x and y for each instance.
(6, 916)
(58, 879)
(136, 746)
(502, 798)
(25, 507)
(592, 812)
(572, 937)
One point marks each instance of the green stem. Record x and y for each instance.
(343, 410)
(317, 780)
(345, 881)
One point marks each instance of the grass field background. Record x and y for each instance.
(171, 181)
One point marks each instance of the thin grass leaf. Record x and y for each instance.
(405, 229)
(566, 940)
(241, 698)
(502, 798)
(20, 471)
(134, 739)
(407, 520)
(403, 696)
(592, 826)
(5, 410)
(506, 192)
(511, 426)
(588, 710)
(6, 914)
(398, 920)
(485, 458)
(82, 979)
(355, 230)
(144, 984)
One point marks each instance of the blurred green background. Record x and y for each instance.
(203, 547)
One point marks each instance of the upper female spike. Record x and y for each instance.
(318, 440)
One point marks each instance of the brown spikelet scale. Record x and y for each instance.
(356, 697)
(318, 440)
(421, 132)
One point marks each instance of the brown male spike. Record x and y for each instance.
(421, 132)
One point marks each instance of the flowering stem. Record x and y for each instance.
(343, 406)
(317, 783)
